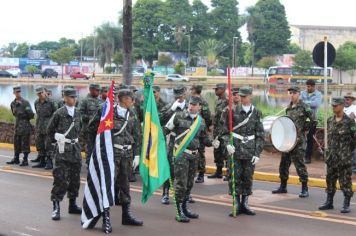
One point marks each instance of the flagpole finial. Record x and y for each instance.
(148, 78)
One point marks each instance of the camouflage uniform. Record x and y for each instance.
(44, 112)
(23, 113)
(66, 171)
(88, 108)
(219, 153)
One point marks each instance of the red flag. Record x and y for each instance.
(107, 115)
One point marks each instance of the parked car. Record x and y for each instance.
(15, 72)
(5, 74)
(78, 75)
(176, 77)
(49, 73)
(136, 73)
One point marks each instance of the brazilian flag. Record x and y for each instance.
(154, 166)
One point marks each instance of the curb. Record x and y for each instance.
(262, 176)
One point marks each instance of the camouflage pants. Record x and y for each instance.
(41, 144)
(220, 156)
(243, 177)
(296, 156)
(22, 143)
(341, 173)
(66, 179)
(201, 160)
(123, 160)
(184, 173)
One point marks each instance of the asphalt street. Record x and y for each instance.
(25, 209)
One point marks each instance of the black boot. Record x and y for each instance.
(24, 160)
(217, 174)
(307, 160)
(106, 221)
(15, 160)
(41, 164)
(304, 193)
(165, 195)
(56, 214)
(346, 206)
(38, 159)
(117, 197)
(200, 178)
(245, 208)
(132, 177)
(180, 217)
(328, 205)
(187, 212)
(190, 199)
(49, 164)
(237, 206)
(282, 188)
(127, 218)
(73, 208)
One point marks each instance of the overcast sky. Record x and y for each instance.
(33, 21)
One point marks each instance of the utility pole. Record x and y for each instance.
(81, 54)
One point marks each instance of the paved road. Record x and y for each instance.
(25, 209)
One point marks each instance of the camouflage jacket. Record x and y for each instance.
(131, 135)
(244, 149)
(166, 112)
(219, 107)
(182, 121)
(341, 141)
(88, 108)
(160, 105)
(302, 116)
(205, 112)
(60, 123)
(23, 113)
(44, 112)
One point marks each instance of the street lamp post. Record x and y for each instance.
(233, 52)
(188, 61)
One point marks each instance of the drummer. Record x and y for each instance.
(299, 112)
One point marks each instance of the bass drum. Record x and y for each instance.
(280, 131)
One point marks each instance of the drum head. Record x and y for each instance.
(283, 134)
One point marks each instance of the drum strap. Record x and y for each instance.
(244, 122)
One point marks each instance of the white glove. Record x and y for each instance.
(255, 160)
(216, 143)
(175, 105)
(230, 149)
(136, 161)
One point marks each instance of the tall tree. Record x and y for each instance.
(303, 61)
(147, 37)
(346, 57)
(21, 50)
(62, 56)
(271, 36)
(211, 49)
(127, 41)
(226, 23)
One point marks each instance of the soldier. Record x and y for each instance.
(299, 112)
(195, 91)
(49, 92)
(88, 108)
(219, 153)
(126, 138)
(166, 114)
(248, 140)
(64, 129)
(45, 107)
(61, 102)
(189, 128)
(104, 93)
(341, 143)
(23, 113)
(157, 94)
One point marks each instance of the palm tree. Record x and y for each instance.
(211, 49)
(127, 41)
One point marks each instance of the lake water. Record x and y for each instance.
(273, 96)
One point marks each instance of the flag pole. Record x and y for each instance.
(232, 164)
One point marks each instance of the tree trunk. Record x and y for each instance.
(127, 42)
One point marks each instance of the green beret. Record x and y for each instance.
(220, 86)
(294, 89)
(245, 90)
(337, 101)
(17, 89)
(94, 86)
(70, 92)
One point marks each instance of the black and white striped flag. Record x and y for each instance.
(99, 189)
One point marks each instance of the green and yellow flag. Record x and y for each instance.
(154, 166)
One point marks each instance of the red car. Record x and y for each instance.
(78, 75)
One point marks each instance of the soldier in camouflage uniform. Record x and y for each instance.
(23, 113)
(88, 108)
(157, 94)
(299, 112)
(248, 141)
(61, 102)
(126, 138)
(219, 153)
(64, 129)
(185, 165)
(45, 107)
(104, 93)
(166, 113)
(195, 91)
(341, 143)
